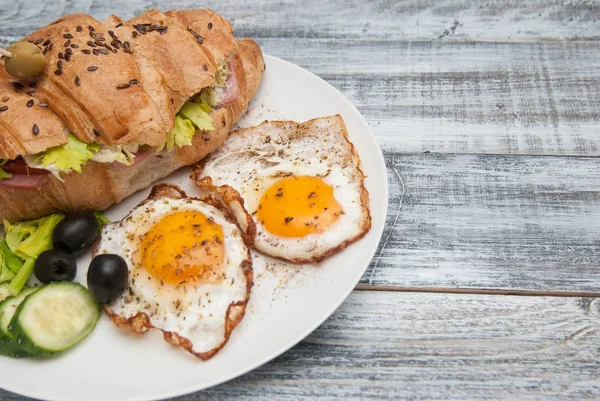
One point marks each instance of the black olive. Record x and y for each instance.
(55, 265)
(107, 277)
(76, 232)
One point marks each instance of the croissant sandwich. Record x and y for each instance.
(119, 105)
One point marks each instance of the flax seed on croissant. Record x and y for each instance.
(119, 105)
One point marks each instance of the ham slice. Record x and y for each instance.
(230, 93)
(19, 166)
(23, 176)
(23, 182)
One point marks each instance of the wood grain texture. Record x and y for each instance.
(491, 221)
(390, 346)
(514, 98)
(446, 20)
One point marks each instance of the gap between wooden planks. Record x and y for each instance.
(478, 291)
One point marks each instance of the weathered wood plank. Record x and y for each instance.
(381, 19)
(516, 98)
(485, 221)
(392, 346)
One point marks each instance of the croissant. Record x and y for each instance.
(119, 105)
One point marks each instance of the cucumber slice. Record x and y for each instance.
(8, 307)
(3, 292)
(54, 318)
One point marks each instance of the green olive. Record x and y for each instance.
(27, 60)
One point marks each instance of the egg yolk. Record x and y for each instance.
(184, 247)
(298, 206)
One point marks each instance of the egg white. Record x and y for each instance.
(252, 160)
(194, 311)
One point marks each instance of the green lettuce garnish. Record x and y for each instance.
(19, 281)
(194, 113)
(198, 115)
(10, 260)
(4, 174)
(71, 156)
(102, 219)
(23, 244)
(181, 134)
(6, 274)
(29, 239)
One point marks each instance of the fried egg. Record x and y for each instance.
(302, 184)
(190, 272)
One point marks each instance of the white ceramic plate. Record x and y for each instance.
(287, 302)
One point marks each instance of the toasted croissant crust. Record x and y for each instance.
(170, 65)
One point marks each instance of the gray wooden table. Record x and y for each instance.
(488, 113)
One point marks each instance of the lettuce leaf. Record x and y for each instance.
(102, 219)
(4, 174)
(29, 239)
(19, 281)
(71, 156)
(198, 115)
(25, 240)
(194, 113)
(181, 134)
(5, 273)
(12, 261)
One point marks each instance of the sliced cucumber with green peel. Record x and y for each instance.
(8, 307)
(54, 318)
(4, 291)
